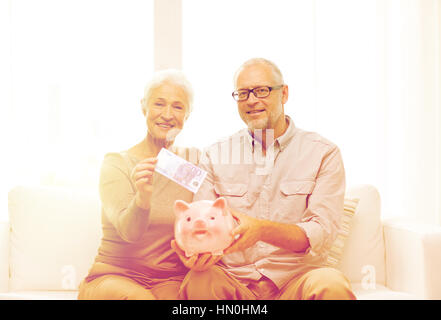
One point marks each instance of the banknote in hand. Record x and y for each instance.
(179, 170)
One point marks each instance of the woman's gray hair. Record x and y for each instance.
(276, 71)
(172, 76)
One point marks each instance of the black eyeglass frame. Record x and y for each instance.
(236, 93)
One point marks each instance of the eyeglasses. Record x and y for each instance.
(259, 92)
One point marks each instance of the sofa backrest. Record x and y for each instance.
(54, 236)
(55, 233)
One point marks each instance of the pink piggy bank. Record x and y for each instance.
(203, 226)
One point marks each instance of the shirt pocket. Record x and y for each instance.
(234, 193)
(294, 197)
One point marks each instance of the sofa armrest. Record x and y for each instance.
(4, 256)
(413, 257)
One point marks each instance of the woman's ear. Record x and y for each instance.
(143, 107)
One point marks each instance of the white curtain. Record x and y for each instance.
(379, 95)
(410, 88)
(5, 104)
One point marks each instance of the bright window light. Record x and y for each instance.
(331, 69)
(219, 36)
(78, 73)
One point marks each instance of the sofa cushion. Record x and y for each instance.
(363, 259)
(4, 256)
(336, 251)
(55, 234)
(40, 295)
(380, 292)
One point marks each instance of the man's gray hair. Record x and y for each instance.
(172, 76)
(278, 77)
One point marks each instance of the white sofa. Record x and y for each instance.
(53, 234)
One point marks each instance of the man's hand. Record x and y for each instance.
(249, 232)
(283, 235)
(197, 262)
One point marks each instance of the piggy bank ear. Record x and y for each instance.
(220, 203)
(180, 206)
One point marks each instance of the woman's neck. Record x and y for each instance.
(149, 147)
(152, 146)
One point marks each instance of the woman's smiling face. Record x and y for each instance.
(167, 109)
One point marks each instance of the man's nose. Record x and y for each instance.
(252, 100)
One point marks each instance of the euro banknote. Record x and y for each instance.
(180, 170)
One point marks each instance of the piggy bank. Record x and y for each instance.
(203, 226)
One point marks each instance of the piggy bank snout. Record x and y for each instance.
(200, 224)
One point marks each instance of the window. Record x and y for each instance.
(74, 74)
(219, 36)
(78, 73)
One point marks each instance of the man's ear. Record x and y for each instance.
(180, 206)
(285, 93)
(221, 203)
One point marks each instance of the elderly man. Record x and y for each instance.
(285, 187)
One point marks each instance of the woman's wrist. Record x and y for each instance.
(142, 202)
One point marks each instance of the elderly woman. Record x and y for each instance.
(135, 259)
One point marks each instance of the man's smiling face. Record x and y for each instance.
(261, 113)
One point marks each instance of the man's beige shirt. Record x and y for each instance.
(301, 180)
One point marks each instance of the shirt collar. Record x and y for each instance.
(281, 141)
(285, 138)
